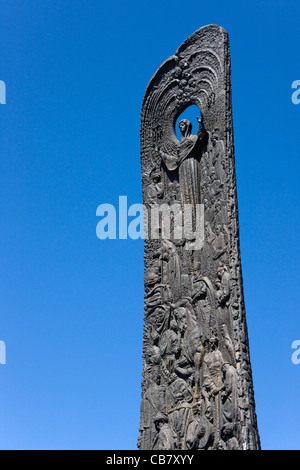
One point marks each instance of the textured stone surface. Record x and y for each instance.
(197, 390)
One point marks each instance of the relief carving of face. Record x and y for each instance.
(185, 127)
(180, 313)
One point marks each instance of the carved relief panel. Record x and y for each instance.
(197, 388)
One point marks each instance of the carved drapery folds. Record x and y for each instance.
(197, 390)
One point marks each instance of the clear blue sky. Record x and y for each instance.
(71, 304)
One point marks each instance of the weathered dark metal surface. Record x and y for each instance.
(197, 390)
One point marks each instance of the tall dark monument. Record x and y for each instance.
(197, 390)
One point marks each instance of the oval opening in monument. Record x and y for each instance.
(191, 113)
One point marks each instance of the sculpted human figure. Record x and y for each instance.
(153, 295)
(191, 346)
(152, 355)
(159, 320)
(220, 242)
(186, 160)
(212, 369)
(200, 430)
(229, 441)
(217, 153)
(153, 403)
(214, 186)
(209, 234)
(223, 295)
(203, 301)
(229, 394)
(155, 189)
(180, 399)
(213, 383)
(224, 277)
(164, 439)
(169, 348)
(183, 365)
(168, 259)
(228, 344)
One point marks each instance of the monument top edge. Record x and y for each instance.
(200, 34)
(194, 37)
